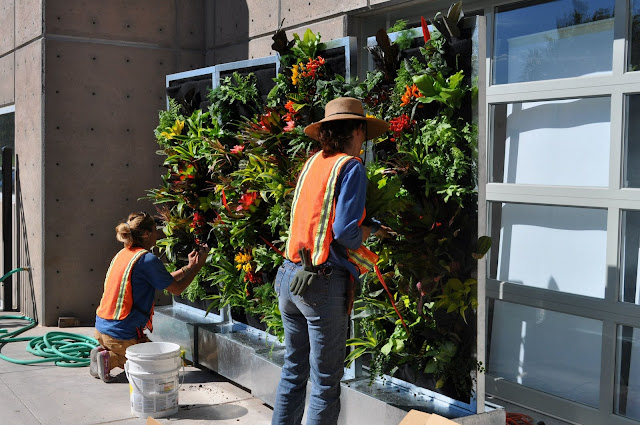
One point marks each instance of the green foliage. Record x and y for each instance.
(307, 46)
(447, 91)
(458, 296)
(235, 92)
(405, 36)
(449, 24)
(443, 155)
(231, 172)
(168, 125)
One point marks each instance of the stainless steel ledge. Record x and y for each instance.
(253, 359)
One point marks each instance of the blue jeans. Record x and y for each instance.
(315, 329)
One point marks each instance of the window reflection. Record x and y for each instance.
(630, 290)
(539, 349)
(553, 142)
(552, 39)
(634, 37)
(550, 247)
(627, 394)
(632, 143)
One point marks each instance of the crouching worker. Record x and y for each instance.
(126, 307)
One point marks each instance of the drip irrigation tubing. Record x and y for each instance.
(64, 348)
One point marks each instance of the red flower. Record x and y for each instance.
(246, 201)
(400, 124)
(237, 149)
(224, 201)
(425, 30)
(198, 220)
(252, 278)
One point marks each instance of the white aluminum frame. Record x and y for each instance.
(614, 198)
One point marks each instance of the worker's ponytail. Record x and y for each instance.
(130, 232)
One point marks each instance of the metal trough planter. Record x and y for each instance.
(253, 359)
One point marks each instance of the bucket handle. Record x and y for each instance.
(131, 381)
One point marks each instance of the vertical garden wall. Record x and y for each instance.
(232, 161)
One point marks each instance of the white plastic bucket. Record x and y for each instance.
(153, 372)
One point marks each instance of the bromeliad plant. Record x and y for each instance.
(231, 172)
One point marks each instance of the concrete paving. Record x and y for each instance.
(46, 394)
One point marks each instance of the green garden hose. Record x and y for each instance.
(64, 348)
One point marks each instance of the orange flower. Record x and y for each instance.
(415, 91)
(289, 106)
(410, 93)
(406, 97)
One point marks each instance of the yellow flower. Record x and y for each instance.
(175, 130)
(238, 267)
(242, 258)
(370, 116)
(247, 268)
(177, 127)
(296, 72)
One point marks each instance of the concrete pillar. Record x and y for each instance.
(105, 68)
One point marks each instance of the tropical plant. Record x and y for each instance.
(231, 172)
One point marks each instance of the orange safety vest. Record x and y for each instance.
(313, 210)
(117, 299)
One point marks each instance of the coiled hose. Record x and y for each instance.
(64, 348)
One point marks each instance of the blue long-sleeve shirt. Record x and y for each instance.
(350, 195)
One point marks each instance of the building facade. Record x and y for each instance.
(559, 182)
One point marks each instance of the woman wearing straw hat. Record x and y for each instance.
(325, 256)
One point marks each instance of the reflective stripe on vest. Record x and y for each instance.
(117, 299)
(363, 258)
(313, 228)
(313, 207)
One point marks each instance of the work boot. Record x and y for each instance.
(104, 367)
(93, 361)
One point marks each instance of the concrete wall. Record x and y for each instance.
(21, 84)
(87, 80)
(243, 29)
(105, 65)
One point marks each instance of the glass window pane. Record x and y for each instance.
(627, 394)
(552, 39)
(7, 130)
(634, 37)
(556, 248)
(632, 145)
(630, 290)
(558, 142)
(549, 351)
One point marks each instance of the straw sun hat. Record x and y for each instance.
(347, 108)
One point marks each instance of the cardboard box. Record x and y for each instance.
(151, 421)
(415, 417)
